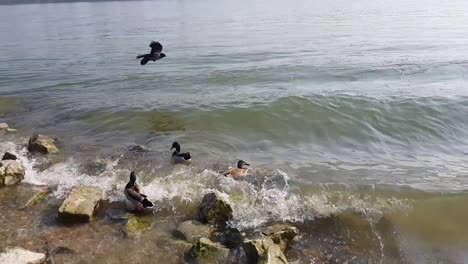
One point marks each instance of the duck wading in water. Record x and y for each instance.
(180, 157)
(241, 169)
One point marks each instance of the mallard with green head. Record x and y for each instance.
(180, 157)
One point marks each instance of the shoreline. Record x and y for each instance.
(367, 231)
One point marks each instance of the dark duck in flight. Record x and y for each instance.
(180, 157)
(154, 55)
(134, 196)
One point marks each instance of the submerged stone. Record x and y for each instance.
(21, 256)
(38, 196)
(42, 144)
(11, 172)
(214, 210)
(9, 156)
(80, 204)
(192, 231)
(206, 251)
(136, 224)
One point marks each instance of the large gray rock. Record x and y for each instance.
(11, 172)
(192, 231)
(214, 210)
(264, 250)
(9, 156)
(206, 251)
(80, 204)
(42, 144)
(21, 256)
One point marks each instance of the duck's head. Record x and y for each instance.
(241, 164)
(132, 178)
(176, 146)
(162, 55)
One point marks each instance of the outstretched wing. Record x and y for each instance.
(144, 60)
(156, 47)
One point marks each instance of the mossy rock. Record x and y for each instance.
(36, 198)
(206, 251)
(136, 224)
(42, 144)
(214, 210)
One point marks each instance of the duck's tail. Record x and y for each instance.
(146, 203)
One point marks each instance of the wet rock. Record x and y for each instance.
(3, 127)
(281, 234)
(9, 156)
(11, 130)
(11, 172)
(37, 197)
(192, 231)
(80, 204)
(273, 255)
(206, 251)
(95, 167)
(138, 149)
(21, 256)
(42, 144)
(214, 210)
(264, 250)
(136, 224)
(230, 238)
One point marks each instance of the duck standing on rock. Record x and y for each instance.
(134, 196)
(180, 157)
(241, 169)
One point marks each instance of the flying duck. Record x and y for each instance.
(241, 169)
(154, 55)
(180, 157)
(134, 196)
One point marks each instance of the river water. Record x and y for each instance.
(339, 106)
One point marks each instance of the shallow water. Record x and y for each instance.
(345, 109)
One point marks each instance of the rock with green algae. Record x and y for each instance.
(206, 251)
(281, 234)
(192, 231)
(11, 172)
(264, 251)
(80, 204)
(214, 210)
(136, 224)
(273, 255)
(42, 144)
(37, 197)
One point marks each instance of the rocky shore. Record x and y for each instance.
(206, 239)
(85, 227)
